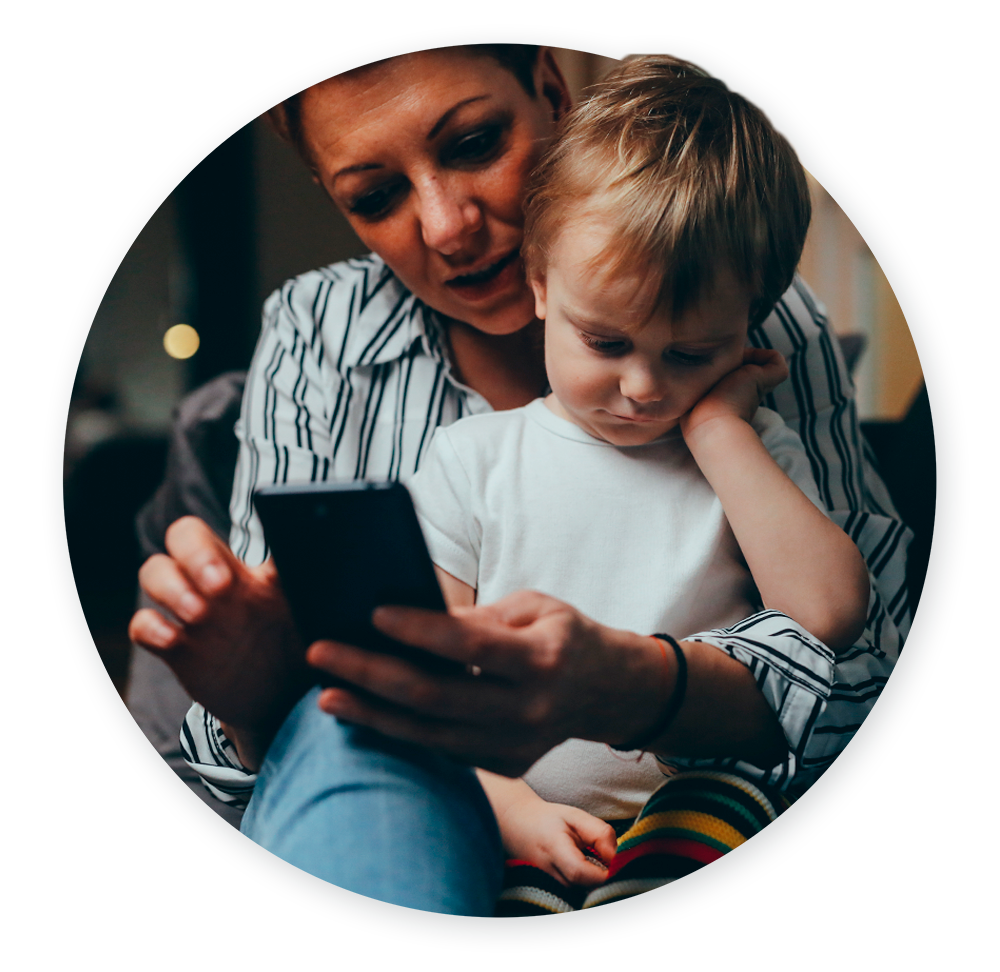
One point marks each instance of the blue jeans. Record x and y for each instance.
(834, 906)
(383, 818)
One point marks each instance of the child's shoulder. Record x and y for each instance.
(489, 428)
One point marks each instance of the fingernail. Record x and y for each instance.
(160, 634)
(316, 651)
(189, 606)
(213, 576)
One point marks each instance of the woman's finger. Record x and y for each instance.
(163, 579)
(471, 744)
(150, 630)
(203, 556)
(460, 697)
(471, 637)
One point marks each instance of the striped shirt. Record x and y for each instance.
(349, 380)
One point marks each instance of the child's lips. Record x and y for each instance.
(639, 419)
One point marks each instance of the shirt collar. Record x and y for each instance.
(388, 319)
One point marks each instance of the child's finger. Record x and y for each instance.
(596, 834)
(572, 866)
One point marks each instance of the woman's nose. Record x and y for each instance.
(448, 216)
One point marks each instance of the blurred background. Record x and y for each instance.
(184, 307)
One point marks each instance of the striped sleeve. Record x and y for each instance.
(213, 756)
(820, 698)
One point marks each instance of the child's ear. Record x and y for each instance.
(538, 287)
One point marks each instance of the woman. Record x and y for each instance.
(427, 157)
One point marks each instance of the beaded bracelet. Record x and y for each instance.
(673, 704)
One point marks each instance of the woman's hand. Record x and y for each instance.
(738, 394)
(547, 674)
(225, 630)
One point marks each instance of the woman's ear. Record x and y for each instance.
(551, 85)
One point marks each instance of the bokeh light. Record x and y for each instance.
(181, 341)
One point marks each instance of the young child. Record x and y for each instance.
(647, 488)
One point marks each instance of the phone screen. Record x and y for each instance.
(341, 550)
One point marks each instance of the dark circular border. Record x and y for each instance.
(808, 816)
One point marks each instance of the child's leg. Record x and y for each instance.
(690, 821)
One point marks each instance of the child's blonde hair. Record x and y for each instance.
(688, 175)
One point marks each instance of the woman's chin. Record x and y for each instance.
(507, 317)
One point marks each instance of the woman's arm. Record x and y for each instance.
(548, 674)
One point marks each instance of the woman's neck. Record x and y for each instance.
(508, 370)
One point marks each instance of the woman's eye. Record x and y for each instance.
(688, 359)
(478, 146)
(377, 202)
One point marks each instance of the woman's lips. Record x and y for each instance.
(492, 279)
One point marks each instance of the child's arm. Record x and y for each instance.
(803, 564)
(456, 593)
(549, 835)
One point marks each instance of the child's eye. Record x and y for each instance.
(603, 345)
(377, 202)
(688, 359)
(478, 146)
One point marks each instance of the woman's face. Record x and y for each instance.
(427, 155)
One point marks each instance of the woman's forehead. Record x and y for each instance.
(410, 90)
(403, 77)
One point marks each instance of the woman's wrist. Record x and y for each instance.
(643, 682)
(675, 688)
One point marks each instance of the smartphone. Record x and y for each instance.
(341, 550)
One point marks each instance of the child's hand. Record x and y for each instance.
(738, 394)
(553, 837)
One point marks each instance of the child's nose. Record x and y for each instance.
(642, 385)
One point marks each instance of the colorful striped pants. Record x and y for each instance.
(690, 821)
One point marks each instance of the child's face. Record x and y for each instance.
(618, 372)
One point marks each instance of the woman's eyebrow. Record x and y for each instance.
(438, 125)
(360, 167)
(443, 120)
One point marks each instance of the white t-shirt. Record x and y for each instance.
(634, 537)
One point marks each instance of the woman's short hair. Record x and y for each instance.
(687, 175)
(267, 64)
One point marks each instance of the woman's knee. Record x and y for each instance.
(373, 815)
